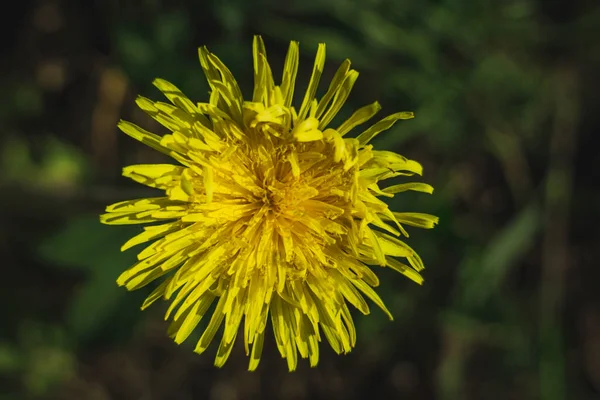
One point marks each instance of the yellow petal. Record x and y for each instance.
(175, 95)
(290, 70)
(161, 176)
(314, 81)
(403, 187)
(405, 270)
(420, 220)
(341, 95)
(308, 131)
(386, 123)
(334, 86)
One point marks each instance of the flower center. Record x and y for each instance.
(273, 201)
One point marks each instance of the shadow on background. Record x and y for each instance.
(506, 99)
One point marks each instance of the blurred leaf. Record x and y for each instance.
(503, 80)
(93, 305)
(10, 358)
(339, 46)
(134, 48)
(49, 366)
(230, 15)
(171, 30)
(481, 276)
(382, 32)
(62, 166)
(87, 245)
(15, 160)
(40, 355)
(28, 100)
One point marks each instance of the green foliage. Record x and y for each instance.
(41, 357)
(483, 273)
(85, 245)
(162, 49)
(60, 167)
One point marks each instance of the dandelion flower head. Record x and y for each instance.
(270, 214)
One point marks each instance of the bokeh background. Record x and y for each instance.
(506, 94)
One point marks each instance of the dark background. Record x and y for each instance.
(506, 94)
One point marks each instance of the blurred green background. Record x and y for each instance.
(506, 94)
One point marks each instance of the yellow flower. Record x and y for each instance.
(272, 211)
